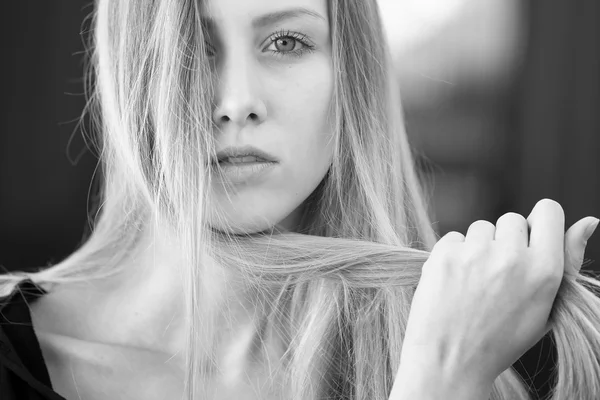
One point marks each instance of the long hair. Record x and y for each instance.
(338, 291)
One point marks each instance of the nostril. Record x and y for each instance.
(225, 118)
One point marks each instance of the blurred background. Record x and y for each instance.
(501, 98)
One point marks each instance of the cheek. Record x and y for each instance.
(308, 100)
(303, 110)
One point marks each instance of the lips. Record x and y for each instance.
(244, 170)
(245, 154)
(242, 160)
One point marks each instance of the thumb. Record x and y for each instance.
(576, 239)
(575, 242)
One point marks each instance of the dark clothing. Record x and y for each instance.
(23, 371)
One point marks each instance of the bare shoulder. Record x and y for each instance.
(81, 369)
(64, 310)
(81, 363)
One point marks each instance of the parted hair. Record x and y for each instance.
(339, 289)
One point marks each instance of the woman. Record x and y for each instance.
(260, 231)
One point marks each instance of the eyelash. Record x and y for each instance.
(299, 37)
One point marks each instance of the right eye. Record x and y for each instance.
(210, 50)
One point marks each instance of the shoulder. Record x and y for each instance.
(73, 310)
(29, 304)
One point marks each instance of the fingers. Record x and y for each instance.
(451, 237)
(480, 231)
(575, 242)
(547, 227)
(438, 249)
(512, 229)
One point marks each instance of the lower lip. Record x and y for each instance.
(243, 172)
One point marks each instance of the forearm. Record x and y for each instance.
(422, 380)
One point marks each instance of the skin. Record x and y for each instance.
(127, 333)
(277, 102)
(484, 299)
(274, 85)
(290, 97)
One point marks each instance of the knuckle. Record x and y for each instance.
(546, 201)
(512, 217)
(549, 204)
(482, 223)
(455, 234)
(449, 239)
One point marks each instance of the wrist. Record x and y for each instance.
(424, 380)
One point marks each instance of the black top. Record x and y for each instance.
(23, 371)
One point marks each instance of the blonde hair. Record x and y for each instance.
(340, 289)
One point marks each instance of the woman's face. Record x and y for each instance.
(274, 79)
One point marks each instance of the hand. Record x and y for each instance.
(483, 300)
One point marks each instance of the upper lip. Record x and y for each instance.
(233, 151)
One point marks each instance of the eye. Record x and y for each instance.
(210, 50)
(286, 43)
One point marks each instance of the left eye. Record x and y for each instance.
(286, 44)
(289, 43)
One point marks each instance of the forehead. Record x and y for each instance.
(258, 13)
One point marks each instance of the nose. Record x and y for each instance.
(237, 100)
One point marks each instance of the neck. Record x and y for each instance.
(150, 303)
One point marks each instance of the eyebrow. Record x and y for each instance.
(271, 18)
(274, 17)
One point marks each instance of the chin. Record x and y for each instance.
(242, 225)
(255, 212)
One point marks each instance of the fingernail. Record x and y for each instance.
(591, 228)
